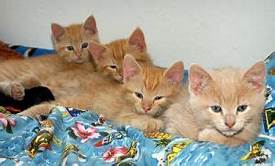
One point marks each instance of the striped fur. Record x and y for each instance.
(116, 101)
(109, 57)
(15, 75)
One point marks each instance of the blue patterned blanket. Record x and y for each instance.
(72, 137)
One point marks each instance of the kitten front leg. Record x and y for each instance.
(41, 109)
(147, 124)
(29, 81)
(82, 102)
(142, 122)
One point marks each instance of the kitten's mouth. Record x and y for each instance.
(143, 112)
(229, 132)
(78, 61)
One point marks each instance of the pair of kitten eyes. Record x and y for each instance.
(83, 45)
(218, 109)
(139, 95)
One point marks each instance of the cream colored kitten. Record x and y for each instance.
(146, 93)
(223, 106)
(71, 44)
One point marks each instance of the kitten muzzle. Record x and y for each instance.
(230, 132)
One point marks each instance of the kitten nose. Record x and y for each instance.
(78, 53)
(229, 121)
(230, 124)
(146, 108)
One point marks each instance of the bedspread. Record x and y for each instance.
(70, 136)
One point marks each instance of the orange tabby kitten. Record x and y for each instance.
(224, 106)
(109, 57)
(71, 44)
(147, 91)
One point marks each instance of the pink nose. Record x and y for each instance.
(229, 124)
(146, 108)
(229, 120)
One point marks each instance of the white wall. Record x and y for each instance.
(213, 33)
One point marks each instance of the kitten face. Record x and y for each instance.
(151, 89)
(109, 57)
(227, 100)
(72, 42)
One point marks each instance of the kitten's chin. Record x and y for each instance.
(78, 61)
(230, 132)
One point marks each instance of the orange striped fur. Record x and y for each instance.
(117, 102)
(109, 57)
(15, 75)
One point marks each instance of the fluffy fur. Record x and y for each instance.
(222, 106)
(16, 75)
(72, 42)
(119, 102)
(109, 57)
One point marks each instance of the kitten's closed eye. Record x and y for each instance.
(216, 108)
(113, 67)
(139, 95)
(158, 97)
(69, 48)
(242, 108)
(84, 45)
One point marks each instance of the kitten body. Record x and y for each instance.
(222, 106)
(118, 102)
(72, 56)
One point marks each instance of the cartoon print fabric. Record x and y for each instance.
(70, 136)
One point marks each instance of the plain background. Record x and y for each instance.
(213, 33)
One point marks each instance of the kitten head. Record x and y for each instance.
(228, 100)
(109, 57)
(71, 42)
(151, 89)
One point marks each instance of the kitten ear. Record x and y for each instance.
(96, 50)
(137, 39)
(174, 74)
(130, 68)
(90, 25)
(255, 76)
(57, 31)
(198, 79)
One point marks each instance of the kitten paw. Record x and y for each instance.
(16, 91)
(148, 125)
(154, 125)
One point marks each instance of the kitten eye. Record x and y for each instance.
(216, 108)
(113, 66)
(139, 95)
(158, 97)
(84, 45)
(70, 48)
(241, 108)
